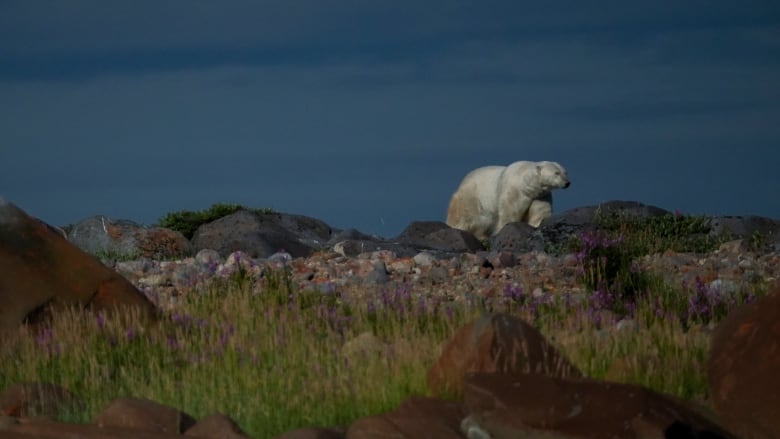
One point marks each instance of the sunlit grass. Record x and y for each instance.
(275, 358)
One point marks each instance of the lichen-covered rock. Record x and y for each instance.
(109, 238)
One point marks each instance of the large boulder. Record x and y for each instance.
(310, 231)
(743, 368)
(59, 430)
(143, 414)
(495, 343)
(217, 425)
(41, 270)
(414, 418)
(106, 237)
(37, 399)
(504, 406)
(517, 237)
(436, 235)
(760, 233)
(258, 235)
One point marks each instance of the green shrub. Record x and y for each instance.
(657, 234)
(187, 221)
(608, 255)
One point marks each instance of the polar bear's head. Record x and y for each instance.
(552, 175)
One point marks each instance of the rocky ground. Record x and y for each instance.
(461, 277)
(428, 257)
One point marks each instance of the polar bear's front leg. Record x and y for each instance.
(512, 207)
(538, 211)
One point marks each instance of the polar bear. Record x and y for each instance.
(490, 197)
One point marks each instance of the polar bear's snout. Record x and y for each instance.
(568, 183)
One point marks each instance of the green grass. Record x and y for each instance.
(273, 357)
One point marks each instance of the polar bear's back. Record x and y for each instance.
(484, 182)
(473, 207)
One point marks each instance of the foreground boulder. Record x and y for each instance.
(414, 418)
(125, 418)
(495, 343)
(743, 369)
(37, 399)
(42, 270)
(217, 425)
(504, 406)
(143, 414)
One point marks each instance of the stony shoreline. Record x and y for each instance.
(481, 274)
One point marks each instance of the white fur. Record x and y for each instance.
(490, 197)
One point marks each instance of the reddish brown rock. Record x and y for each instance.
(143, 414)
(161, 243)
(56, 430)
(216, 426)
(534, 405)
(37, 399)
(743, 368)
(414, 418)
(495, 343)
(313, 433)
(41, 270)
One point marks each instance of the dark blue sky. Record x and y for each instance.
(367, 114)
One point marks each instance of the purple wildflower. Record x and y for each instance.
(44, 338)
(100, 320)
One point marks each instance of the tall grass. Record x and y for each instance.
(275, 358)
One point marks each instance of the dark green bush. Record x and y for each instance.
(608, 256)
(187, 221)
(657, 234)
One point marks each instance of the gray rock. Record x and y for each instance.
(99, 234)
(351, 235)
(310, 231)
(352, 248)
(378, 275)
(258, 235)
(424, 259)
(436, 235)
(208, 257)
(759, 233)
(517, 237)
